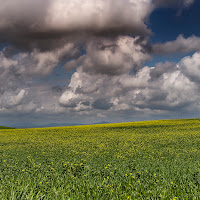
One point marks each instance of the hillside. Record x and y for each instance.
(3, 127)
(141, 160)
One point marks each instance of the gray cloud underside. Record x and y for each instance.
(180, 45)
(50, 23)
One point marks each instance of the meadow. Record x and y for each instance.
(3, 127)
(141, 160)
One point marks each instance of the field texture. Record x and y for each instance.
(3, 127)
(143, 160)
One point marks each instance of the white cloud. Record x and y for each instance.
(159, 89)
(180, 45)
(68, 99)
(98, 15)
(48, 24)
(190, 66)
(11, 99)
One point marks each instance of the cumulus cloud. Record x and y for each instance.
(113, 57)
(162, 68)
(190, 66)
(20, 90)
(16, 66)
(42, 63)
(100, 17)
(180, 45)
(50, 23)
(165, 87)
(68, 99)
(105, 44)
(10, 78)
(10, 99)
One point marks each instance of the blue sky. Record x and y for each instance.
(68, 62)
(168, 23)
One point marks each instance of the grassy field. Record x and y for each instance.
(3, 127)
(143, 160)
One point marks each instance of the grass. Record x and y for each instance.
(142, 160)
(3, 127)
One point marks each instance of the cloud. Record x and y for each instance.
(180, 45)
(99, 17)
(160, 90)
(165, 87)
(48, 24)
(190, 66)
(113, 57)
(20, 90)
(35, 62)
(162, 68)
(102, 104)
(105, 44)
(11, 99)
(42, 63)
(68, 99)
(10, 78)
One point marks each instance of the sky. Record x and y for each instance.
(91, 61)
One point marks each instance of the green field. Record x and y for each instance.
(142, 160)
(3, 127)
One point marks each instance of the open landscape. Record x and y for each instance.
(85, 86)
(140, 160)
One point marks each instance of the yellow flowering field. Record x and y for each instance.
(141, 160)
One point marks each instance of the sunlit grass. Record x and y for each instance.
(143, 160)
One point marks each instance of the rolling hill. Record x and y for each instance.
(3, 127)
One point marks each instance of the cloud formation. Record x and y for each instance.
(113, 57)
(165, 87)
(50, 23)
(104, 46)
(9, 100)
(190, 66)
(180, 45)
